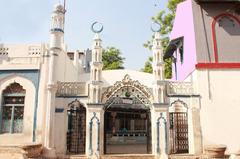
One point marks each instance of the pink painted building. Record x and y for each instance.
(208, 33)
(205, 46)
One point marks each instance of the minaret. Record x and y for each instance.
(158, 70)
(55, 48)
(96, 70)
(56, 38)
(57, 27)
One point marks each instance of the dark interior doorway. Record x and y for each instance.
(127, 129)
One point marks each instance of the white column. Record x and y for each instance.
(159, 101)
(50, 109)
(49, 135)
(56, 46)
(158, 70)
(96, 71)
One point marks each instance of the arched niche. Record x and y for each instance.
(225, 36)
(29, 108)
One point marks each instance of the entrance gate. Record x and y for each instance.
(76, 134)
(127, 119)
(179, 132)
(127, 130)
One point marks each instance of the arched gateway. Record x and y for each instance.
(76, 132)
(127, 118)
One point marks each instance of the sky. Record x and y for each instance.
(126, 24)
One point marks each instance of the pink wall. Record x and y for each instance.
(184, 27)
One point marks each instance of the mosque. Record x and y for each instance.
(56, 103)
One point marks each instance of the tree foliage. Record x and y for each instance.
(112, 59)
(165, 18)
(148, 66)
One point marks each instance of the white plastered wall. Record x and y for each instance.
(26, 136)
(65, 71)
(220, 107)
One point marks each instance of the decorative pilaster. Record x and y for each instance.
(159, 125)
(96, 68)
(91, 134)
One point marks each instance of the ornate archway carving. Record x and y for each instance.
(125, 89)
(76, 104)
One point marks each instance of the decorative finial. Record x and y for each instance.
(99, 28)
(58, 8)
(155, 27)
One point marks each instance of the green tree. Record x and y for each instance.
(165, 18)
(112, 59)
(148, 66)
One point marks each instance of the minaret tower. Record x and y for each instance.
(158, 69)
(56, 38)
(56, 46)
(96, 68)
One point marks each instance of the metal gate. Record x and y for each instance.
(76, 134)
(178, 132)
(149, 134)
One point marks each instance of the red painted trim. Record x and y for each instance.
(217, 65)
(214, 32)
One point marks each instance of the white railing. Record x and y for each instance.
(72, 89)
(20, 60)
(180, 88)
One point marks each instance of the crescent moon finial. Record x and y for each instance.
(155, 27)
(94, 29)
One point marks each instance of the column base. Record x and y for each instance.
(49, 153)
(161, 156)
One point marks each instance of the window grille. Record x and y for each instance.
(12, 109)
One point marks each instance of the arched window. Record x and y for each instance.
(13, 109)
(225, 34)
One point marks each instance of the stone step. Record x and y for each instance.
(188, 156)
(128, 156)
(122, 156)
(76, 157)
(184, 156)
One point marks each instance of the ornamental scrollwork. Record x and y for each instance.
(71, 89)
(127, 89)
(180, 88)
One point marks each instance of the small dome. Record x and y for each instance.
(58, 8)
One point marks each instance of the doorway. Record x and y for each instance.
(127, 129)
(179, 132)
(76, 133)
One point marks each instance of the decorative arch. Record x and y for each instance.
(127, 112)
(127, 88)
(12, 109)
(178, 106)
(76, 104)
(76, 129)
(215, 19)
(29, 108)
